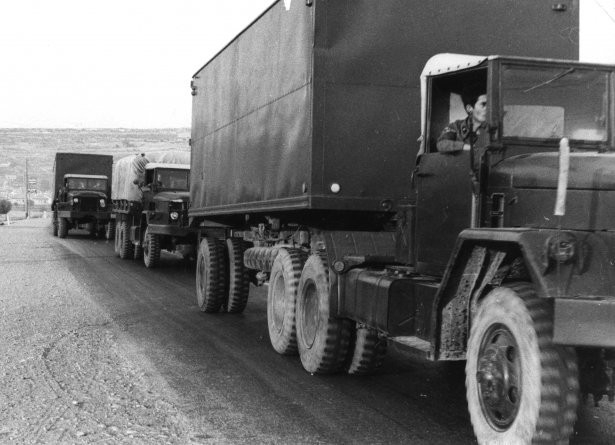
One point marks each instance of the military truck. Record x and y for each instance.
(82, 187)
(304, 163)
(150, 206)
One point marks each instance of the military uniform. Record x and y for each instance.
(459, 133)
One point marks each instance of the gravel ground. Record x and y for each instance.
(67, 374)
(95, 349)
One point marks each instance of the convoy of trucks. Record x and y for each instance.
(150, 206)
(304, 175)
(82, 188)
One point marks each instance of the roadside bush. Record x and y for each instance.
(5, 206)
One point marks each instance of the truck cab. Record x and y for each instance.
(518, 234)
(82, 202)
(532, 105)
(166, 198)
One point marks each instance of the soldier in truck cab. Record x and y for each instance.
(470, 133)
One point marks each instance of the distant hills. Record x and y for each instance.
(39, 146)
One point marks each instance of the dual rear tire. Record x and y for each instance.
(222, 281)
(126, 248)
(301, 318)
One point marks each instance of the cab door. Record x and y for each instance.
(444, 207)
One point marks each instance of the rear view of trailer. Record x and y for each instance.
(316, 105)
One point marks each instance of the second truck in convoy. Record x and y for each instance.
(150, 206)
(305, 175)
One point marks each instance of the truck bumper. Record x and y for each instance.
(162, 229)
(584, 322)
(99, 216)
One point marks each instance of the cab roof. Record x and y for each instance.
(451, 62)
(153, 165)
(75, 175)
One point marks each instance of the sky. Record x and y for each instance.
(128, 63)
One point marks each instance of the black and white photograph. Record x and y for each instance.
(313, 222)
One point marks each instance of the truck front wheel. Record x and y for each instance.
(151, 250)
(110, 230)
(54, 224)
(118, 237)
(210, 275)
(62, 227)
(520, 387)
(282, 300)
(126, 247)
(322, 339)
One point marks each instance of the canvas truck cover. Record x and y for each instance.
(81, 164)
(129, 168)
(310, 96)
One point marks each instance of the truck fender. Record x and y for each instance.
(482, 260)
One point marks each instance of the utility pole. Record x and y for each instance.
(27, 185)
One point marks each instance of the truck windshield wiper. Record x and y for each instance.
(559, 76)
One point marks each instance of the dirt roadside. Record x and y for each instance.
(67, 374)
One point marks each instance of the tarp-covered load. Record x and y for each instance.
(130, 168)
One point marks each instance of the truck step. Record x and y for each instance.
(413, 342)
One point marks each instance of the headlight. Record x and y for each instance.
(75, 200)
(103, 203)
(174, 215)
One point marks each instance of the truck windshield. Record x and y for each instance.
(99, 185)
(172, 179)
(554, 102)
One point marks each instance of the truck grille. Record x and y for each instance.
(87, 204)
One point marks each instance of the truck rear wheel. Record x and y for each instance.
(210, 275)
(62, 227)
(520, 387)
(368, 352)
(282, 300)
(238, 276)
(138, 252)
(110, 230)
(322, 339)
(126, 247)
(151, 250)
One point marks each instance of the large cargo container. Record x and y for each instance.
(82, 187)
(81, 164)
(305, 135)
(308, 97)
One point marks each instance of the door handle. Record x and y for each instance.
(421, 174)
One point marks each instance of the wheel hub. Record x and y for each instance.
(499, 377)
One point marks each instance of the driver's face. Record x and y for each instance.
(479, 111)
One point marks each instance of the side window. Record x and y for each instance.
(446, 105)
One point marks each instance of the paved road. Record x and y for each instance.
(97, 349)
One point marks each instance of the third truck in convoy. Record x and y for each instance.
(307, 175)
(82, 189)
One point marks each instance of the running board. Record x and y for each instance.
(422, 347)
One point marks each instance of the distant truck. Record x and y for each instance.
(82, 190)
(150, 206)
(306, 165)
